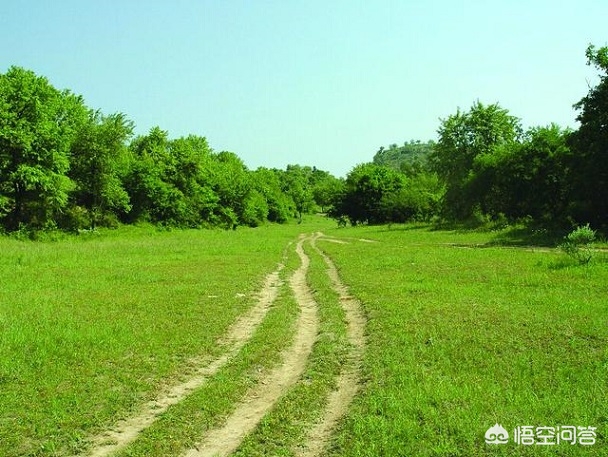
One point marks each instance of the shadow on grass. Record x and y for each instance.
(528, 236)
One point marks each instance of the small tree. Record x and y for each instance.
(577, 244)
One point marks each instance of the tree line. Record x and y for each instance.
(485, 167)
(64, 165)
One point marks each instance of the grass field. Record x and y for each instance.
(91, 327)
(462, 332)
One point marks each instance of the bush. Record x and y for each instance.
(577, 244)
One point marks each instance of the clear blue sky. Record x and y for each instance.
(322, 83)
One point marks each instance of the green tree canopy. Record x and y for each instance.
(98, 165)
(527, 179)
(37, 126)
(411, 157)
(463, 137)
(590, 142)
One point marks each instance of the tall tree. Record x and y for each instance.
(297, 184)
(153, 195)
(325, 189)
(99, 162)
(267, 182)
(372, 194)
(590, 142)
(526, 179)
(233, 187)
(463, 137)
(193, 176)
(37, 126)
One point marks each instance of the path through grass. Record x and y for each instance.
(92, 328)
(461, 333)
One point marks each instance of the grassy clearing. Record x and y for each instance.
(463, 334)
(90, 327)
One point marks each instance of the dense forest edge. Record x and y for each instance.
(67, 167)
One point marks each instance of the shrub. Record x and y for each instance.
(577, 244)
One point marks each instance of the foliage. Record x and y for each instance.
(65, 165)
(577, 244)
(267, 183)
(463, 137)
(527, 179)
(98, 161)
(411, 157)
(296, 182)
(325, 188)
(37, 126)
(377, 194)
(590, 142)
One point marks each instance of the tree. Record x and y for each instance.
(371, 195)
(99, 161)
(154, 197)
(325, 189)
(411, 157)
(590, 144)
(463, 137)
(526, 179)
(37, 126)
(232, 185)
(267, 182)
(296, 182)
(193, 176)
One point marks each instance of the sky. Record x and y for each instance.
(321, 83)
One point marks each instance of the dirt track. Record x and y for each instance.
(126, 431)
(261, 398)
(224, 440)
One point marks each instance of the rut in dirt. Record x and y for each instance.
(248, 413)
(127, 430)
(348, 382)
(224, 440)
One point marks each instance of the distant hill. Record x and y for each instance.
(411, 155)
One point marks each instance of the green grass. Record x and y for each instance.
(465, 329)
(463, 334)
(90, 327)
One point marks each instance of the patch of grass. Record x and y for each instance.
(461, 338)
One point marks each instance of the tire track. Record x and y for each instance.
(348, 381)
(126, 431)
(224, 440)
